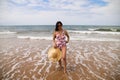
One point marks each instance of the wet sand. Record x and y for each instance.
(26, 59)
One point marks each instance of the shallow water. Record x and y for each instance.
(25, 59)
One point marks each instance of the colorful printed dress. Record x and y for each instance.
(60, 40)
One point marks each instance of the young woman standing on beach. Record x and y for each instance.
(59, 39)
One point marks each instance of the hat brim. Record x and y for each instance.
(54, 54)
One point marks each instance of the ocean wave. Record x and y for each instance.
(7, 32)
(93, 32)
(34, 37)
(72, 38)
(94, 39)
(104, 29)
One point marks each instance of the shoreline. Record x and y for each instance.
(27, 59)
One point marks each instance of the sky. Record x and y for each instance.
(70, 12)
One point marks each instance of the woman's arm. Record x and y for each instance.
(68, 38)
(54, 36)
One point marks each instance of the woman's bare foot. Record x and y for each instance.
(65, 71)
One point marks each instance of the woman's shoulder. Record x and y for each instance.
(55, 32)
(65, 31)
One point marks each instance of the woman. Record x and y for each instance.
(59, 40)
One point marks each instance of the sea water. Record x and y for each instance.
(76, 32)
(86, 60)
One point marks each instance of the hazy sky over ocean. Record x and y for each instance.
(76, 12)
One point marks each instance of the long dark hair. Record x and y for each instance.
(58, 22)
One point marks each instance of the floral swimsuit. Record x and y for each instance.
(60, 40)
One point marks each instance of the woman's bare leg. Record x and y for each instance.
(64, 57)
(60, 63)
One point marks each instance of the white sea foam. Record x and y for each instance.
(71, 38)
(7, 32)
(94, 32)
(48, 68)
(82, 53)
(44, 57)
(34, 78)
(69, 76)
(13, 68)
(101, 39)
(80, 35)
(33, 37)
(42, 67)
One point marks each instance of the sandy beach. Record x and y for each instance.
(26, 59)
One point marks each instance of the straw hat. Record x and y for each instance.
(54, 54)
